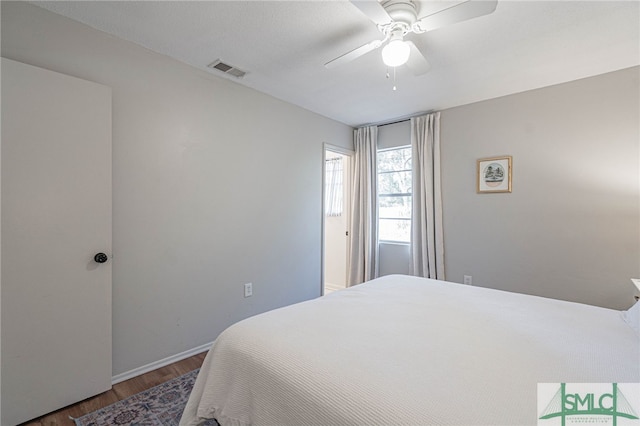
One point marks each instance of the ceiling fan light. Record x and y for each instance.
(395, 53)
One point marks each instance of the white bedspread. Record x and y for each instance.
(402, 350)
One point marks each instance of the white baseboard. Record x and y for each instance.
(329, 287)
(158, 364)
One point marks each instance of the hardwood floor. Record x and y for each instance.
(119, 391)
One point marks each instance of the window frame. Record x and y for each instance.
(393, 194)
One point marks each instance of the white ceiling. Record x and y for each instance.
(283, 45)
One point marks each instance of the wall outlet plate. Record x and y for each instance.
(468, 279)
(248, 290)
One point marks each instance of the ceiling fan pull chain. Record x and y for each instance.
(394, 78)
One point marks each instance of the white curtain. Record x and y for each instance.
(363, 251)
(333, 186)
(427, 245)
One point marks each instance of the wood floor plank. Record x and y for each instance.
(119, 392)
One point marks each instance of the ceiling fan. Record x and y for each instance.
(397, 18)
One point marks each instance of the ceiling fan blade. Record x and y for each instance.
(417, 62)
(355, 53)
(460, 12)
(373, 10)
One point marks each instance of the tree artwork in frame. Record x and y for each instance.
(494, 174)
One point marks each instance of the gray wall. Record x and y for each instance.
(571, 228)
(214, 185)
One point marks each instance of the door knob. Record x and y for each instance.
(100, 258)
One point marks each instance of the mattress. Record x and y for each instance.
(408, 351)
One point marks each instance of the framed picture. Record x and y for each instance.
(494, 174)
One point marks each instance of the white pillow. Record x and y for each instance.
(632, 317)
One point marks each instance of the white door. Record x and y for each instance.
(56, 216)
(336, 236)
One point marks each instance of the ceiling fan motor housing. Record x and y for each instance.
(401, 11)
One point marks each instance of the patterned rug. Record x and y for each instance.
(161, 405)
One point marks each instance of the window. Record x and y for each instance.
(394, 194)
(333, 189)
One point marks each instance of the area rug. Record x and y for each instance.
(161, 405)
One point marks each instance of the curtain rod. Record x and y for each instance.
(393, 122)
(397, 120)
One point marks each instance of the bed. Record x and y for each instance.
(402, 350)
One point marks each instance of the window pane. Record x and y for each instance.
(395, 230)
(394, 183)
(394, 159)
(394, 207)
(333, 187)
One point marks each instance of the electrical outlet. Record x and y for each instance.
(248, 290)
(468, 279)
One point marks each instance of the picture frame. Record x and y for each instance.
(493, 174)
